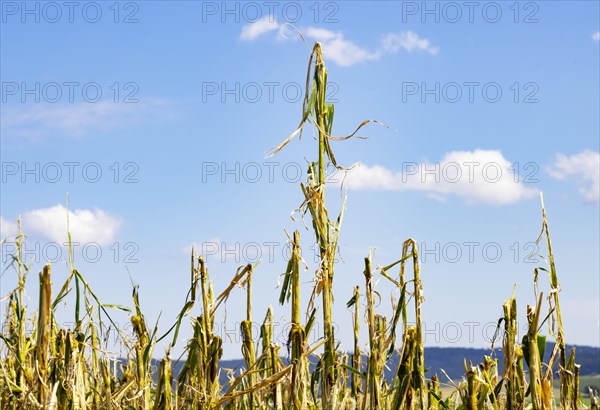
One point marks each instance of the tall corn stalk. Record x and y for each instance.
(316, 196)
(565, 371)
(320, 113)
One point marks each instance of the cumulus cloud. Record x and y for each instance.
(339, 49)
(596, 36)
(86, 226)
(336, 48)
(583, 168)
(479, 176)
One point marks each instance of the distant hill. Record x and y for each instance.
(450, 359)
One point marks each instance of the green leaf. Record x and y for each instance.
(285, 289)
(351, 302)
(541, 342)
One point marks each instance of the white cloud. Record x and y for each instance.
(346, 53)
(86, 226)
(77, 119)
(480, 176)
(8, 229)
(340, 50)
(584, 168)
(596, 36)
(322, 34)
(408, 41)
(254, 30)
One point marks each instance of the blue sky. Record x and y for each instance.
(155, 118)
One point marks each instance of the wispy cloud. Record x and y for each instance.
(408, 41)
(596, 36)
(85, 225)
(583, 168)
(339, 49)
(479, 176)
(254, 30)
(77, 119)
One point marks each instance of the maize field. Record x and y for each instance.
(48, 366)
